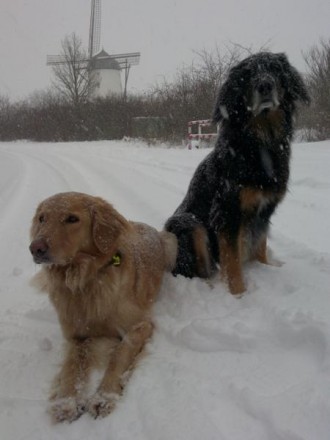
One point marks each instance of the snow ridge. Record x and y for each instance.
(217, 367)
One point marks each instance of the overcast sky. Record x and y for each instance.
(166, 32)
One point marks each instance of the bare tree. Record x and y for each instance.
(318, 81)
(213, 66)
(73, 79)
(191, 95)
(5, 117)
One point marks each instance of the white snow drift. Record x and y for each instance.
(217, 368)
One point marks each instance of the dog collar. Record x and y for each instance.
(115, 260)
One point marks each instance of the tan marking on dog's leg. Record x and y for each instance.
(231, 265)
(250, 198)
(202, 253)
(261, 252)
(123, 358)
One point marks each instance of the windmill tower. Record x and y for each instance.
(106, 68)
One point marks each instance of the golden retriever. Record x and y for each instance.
(102, 274)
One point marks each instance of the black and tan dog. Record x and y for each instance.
(226, 212)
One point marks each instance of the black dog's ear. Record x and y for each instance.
(294, 83)
(216, 115)
(230, 98)
(220, 111)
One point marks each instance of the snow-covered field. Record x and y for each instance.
(218, 368)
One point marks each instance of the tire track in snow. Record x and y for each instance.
(112, 169)
(24, 184)
(217, 367)
(112, 180)
(10, 184)
(15, 204)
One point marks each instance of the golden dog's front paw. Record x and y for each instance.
(66, 409)
(102, 404)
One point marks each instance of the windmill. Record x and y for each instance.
(106, 67)
(95, 28)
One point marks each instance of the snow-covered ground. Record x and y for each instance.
(218, 368)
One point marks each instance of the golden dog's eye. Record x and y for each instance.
(72, 219)
(41, 219)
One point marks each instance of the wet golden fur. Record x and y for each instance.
(103, 308)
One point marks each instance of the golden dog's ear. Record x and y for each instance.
(107, 226)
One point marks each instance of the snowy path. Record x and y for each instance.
(217, 368)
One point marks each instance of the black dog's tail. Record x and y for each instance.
(194, 257)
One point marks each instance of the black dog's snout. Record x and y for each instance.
(265, 87)
(39, 249)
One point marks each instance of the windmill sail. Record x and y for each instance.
(95, 28)
(106, 67)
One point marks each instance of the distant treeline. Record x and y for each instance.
(54, 120)
(50, 118)
(163, 112)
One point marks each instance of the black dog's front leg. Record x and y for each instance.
(225, 219)
(231, 262)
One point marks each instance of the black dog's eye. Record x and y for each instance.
(41, 219)
(72, 219)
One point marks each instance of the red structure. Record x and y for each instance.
(199, 124)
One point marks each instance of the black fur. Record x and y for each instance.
(255, 107)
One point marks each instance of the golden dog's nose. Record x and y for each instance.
(39, 249)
